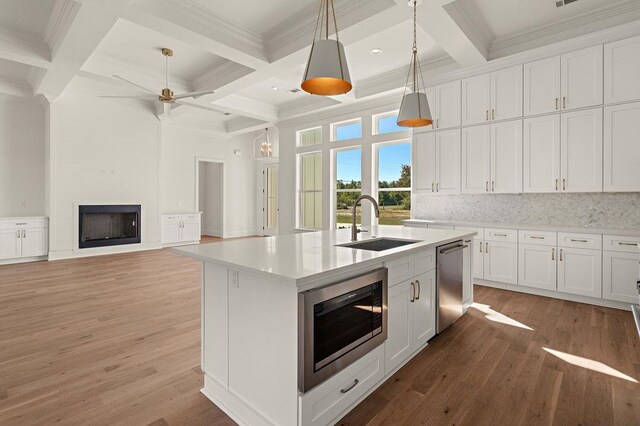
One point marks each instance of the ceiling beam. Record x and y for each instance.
(23, 48)
(15, 88)
(467, 48)
(93, 20)
(241, 125)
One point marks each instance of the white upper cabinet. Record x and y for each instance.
(542, 86)
(622, 70)
(476, 99)
(424, 162)
(476, 159)
(506, 157)
(621, 147)
(506, 93)
(493, 96)
(448, 162)
(581, 151)
(581, 78)
(447, 106)
(542, 154)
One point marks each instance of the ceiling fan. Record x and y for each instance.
(166, 96)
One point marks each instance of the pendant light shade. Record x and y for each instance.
(414, 109)
(327, 73)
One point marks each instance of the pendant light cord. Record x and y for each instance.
(415, 46)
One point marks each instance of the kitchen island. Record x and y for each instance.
(250, 318)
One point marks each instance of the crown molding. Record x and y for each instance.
(24, 48)
(206, 16)
(62, 16)
(35, 76)
(201, 127)
(616, 13)
(15, 87)
(221, 75)
(469, 19)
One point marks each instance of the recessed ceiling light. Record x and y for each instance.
(274, 88)
(376, 51)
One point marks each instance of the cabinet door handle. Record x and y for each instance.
(480, 247)
(18, 234)
(560, 255)
(486, 186)
(493, 186)
(579, 241)
(486, 247)
(432, 184)
(500, 235)
(564, 184)
(347, 389)
(535, 237)
(556, 103)
(437, 186)
(24, 233)
(627, 244)
(493, 114)
(418, 284)
(487, 114)
(413, 292)
(557, 182)
(438, 123)
(564, 102)
(553, 254)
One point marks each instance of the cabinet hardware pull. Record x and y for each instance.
(628, 244)
(564, 102)
(560, 255)
(486, 186)
(556, 103)
(500, 235)
(18, 235)
(24, 234)
(557, 181)
(480, 247)
(564, 184)
(355, 382)
(493, 114)
(437, 186)
(493, 186)
(553, 254)
(418, 283)
(579, 241)
(432, 183)
(437, 123)
(486, 247)
(487, 114)
(18, 224)
(413, 292)
(535, 237)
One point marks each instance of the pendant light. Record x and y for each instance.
(414, 109)
(327, 73)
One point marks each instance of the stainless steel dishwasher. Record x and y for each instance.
(449, 284)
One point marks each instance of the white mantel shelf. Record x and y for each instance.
(300, 258)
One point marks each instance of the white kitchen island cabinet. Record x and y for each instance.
(251, 319)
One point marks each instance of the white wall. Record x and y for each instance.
(210, 199)
(101, 152)
(22, 158)
(181, 149)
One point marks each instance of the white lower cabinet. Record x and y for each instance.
(580, 271)
(180, 228)
(537, 266)
(23, 239)
(501, 262)
(478, 259)
(619, 276)
(411, 318)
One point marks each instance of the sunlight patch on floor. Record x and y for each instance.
(590, 364)
(496, 316)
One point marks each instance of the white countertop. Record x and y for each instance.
(297, 257)
(628, 232)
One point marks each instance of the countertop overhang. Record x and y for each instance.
(297, 258)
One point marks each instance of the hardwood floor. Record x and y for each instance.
(116, 340)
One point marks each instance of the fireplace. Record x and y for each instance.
(101, 226)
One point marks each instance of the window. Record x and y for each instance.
(386, 123)
(310, 137)
(348, 185)
(310, 191)
(346, 130)
(394, 182)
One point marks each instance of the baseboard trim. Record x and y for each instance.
(102, 251)
(22, 260)
(556, 295)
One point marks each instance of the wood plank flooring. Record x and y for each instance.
(116, 340)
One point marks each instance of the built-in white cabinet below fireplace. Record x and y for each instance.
(179, 229)
(23, 239)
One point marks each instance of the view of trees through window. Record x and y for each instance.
(348, 185)
(394, 183)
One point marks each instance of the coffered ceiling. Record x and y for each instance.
(252, 52)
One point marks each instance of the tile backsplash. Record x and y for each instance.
(598, 210)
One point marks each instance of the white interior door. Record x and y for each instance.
(581, 151)
(476, 149)
(542, 154)
(582, 79)
(506, 93)
(424, 162)
(270, 199)
(542, 86)
(476, 99)
(506, 157)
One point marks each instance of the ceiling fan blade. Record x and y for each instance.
(196, 105)
(150, 98)
(193, 94)
(135, 84)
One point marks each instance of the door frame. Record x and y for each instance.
(199, 160)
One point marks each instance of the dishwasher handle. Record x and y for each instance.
(452, 249)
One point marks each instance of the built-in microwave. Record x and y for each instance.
(338, 324)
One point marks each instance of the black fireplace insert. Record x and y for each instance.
(101, 226)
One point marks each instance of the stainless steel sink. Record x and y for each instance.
(378, 244)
